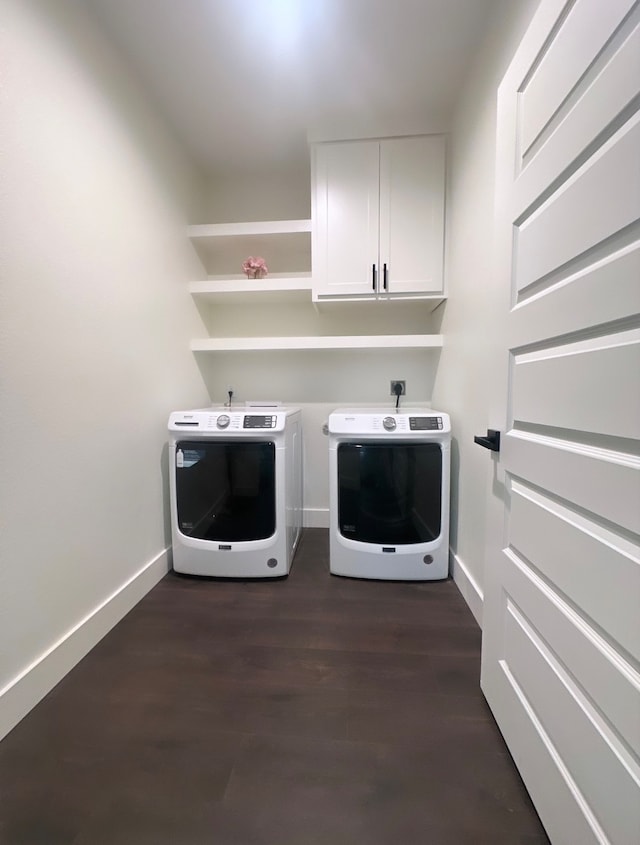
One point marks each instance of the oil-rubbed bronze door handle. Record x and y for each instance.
(491, 441)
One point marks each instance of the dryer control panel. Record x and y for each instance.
(410, 423)
(223, 420)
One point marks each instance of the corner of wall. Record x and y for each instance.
(467, 585)
(39, 678)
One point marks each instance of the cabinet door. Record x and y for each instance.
(412, 182)
(346, 219)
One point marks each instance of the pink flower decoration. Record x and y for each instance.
(255, 267)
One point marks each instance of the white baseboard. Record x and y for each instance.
(315, 518)
(467, 585)
(23, 693)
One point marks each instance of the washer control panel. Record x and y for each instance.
(260, 421)
(226, 420)
(425, 423)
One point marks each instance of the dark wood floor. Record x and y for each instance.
(313, 710)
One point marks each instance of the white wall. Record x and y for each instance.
(464, 383)
(233, 197)
(95, 321)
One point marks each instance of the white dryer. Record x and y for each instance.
(389, 477)
(236, 490)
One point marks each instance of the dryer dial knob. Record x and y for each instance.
(389, 423)
(223, 421)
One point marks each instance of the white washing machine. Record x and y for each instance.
(236, 490)
(389, 477)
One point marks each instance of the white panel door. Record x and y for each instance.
(561, 619)
(346, 218)
(412, 185)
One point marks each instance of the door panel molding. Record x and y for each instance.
(568, 223)
(603, 98)
(581, 30)
(604, 292)
(595, 479)
(571, 552)
(610, 683)
(575, 728)
(580, 385)
(568, 817)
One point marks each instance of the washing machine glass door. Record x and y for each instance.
(389, 494)
(225, 491)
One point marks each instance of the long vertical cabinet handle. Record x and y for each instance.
(374, 278)
(384, 277)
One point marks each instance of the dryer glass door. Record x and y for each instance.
(390, 494)
(225, 491)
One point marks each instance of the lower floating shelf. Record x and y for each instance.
(240, 344)
(238, 290)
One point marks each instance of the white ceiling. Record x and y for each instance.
(246, 83)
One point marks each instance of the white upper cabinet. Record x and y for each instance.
(378, 218)
(345, 218)
(412, 180)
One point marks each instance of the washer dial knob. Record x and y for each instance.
(389, 423)
(223, 421)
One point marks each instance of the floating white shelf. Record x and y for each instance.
(237, 344)
(267, 227)
(236, 290)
